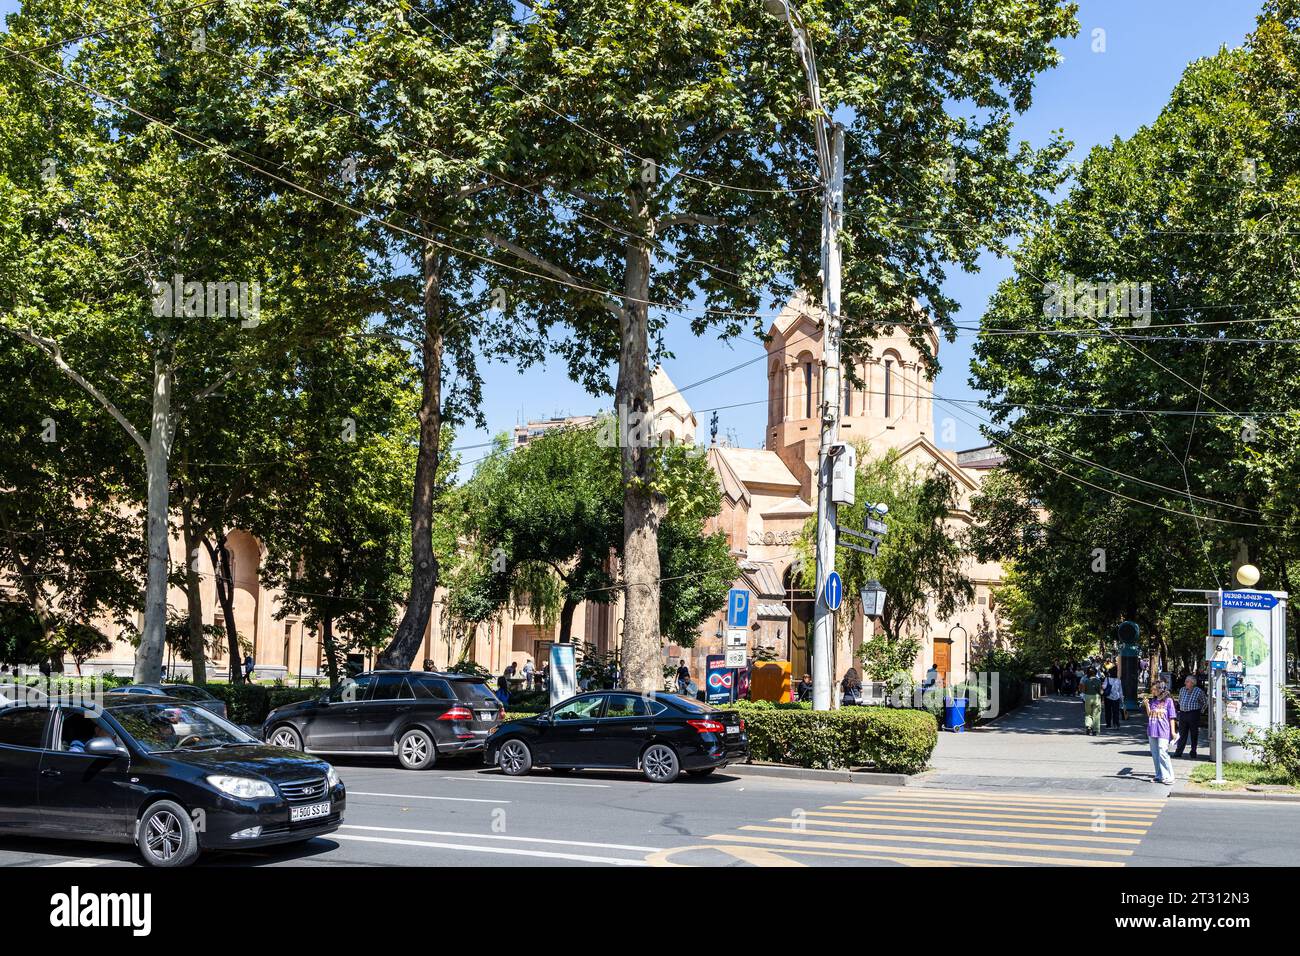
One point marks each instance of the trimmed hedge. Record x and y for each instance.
(250, 703)
(893, 741)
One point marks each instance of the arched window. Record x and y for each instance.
(807, 389)
(889, 387)
(848, 397)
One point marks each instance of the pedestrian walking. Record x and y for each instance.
(683, 676)
(528, 673)
(1112, 693)
(1091, 702)
(1191, 704)
(249, 666)
(1162, 722)
(1056, 677)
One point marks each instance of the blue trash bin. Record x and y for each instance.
(954, 715)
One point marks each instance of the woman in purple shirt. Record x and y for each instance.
(1162, 725)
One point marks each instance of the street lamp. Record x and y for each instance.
(873, 599)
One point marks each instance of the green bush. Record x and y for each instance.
(250, 703)
(893, 741)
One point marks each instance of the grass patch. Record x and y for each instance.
(1239, 775)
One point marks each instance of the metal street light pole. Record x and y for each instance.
(830, 159)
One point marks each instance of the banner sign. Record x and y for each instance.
(719, 681)
(564, 673)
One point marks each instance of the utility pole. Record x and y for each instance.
(830, 160)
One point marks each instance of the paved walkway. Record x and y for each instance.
(1042, 746)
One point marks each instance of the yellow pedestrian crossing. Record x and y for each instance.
(914, 827)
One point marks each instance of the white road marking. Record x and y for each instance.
(505, 851)
(536, 783)
(417, 796)
(501, 836)
(83, 861)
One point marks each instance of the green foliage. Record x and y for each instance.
(893, 741)
(250, 703)
(1278, 747)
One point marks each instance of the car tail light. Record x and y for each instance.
(458, 713)
(742, 725)
(707, 726)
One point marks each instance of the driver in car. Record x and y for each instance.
(79, 746)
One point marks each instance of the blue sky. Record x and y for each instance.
(1092, 96)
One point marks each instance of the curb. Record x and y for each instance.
(821, 776)
(1202, 794)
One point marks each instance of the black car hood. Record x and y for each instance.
(295, 707)
(273, 763)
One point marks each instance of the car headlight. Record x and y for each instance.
(332, 776)
(242, 787)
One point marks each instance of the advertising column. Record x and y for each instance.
(1254, 624)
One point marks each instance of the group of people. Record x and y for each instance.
(533, 678)
(1102, 691)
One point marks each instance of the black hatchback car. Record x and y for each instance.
(415, 715)
(661, 735)
(160, 772)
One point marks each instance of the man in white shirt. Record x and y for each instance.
(1112, 694)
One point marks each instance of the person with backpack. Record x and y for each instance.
(1091, 689)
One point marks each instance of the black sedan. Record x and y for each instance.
(661, 735)
(415, 715)
(159, 772)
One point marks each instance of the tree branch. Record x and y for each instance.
(548, 267)
(51, 348)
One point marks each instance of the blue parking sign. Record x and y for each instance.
(738, 608)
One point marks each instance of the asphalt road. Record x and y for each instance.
(462, 814)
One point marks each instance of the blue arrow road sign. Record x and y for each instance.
(1259, 600)
(738, 608)
(833, 593)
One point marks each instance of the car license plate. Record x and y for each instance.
(487, 715)
(312, 811)
(732, 731)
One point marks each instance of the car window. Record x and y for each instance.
(351, 689)
(626, 705)
(186, 692)
(582, 708)
(77, 729)
(431, 688)
(391, 687)
(476, 691)
(23, 726)
(686, 703)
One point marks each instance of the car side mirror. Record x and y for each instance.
(324, 699)
(104, 747)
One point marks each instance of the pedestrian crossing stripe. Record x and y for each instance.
(916, 851)
(857, 813)
(953, 828)
(1031, 813)
(833, 820)
(946, 841)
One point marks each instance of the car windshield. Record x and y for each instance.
(163, 726)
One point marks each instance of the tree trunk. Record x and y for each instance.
(226, 597)
(194, 596)
(566, 619)
(149, 655)
(424, 566)
(331, 652)
(642, 508)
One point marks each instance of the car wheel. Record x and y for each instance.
(515, 758)
(416, 750)
(659, 764)
(285, 736)
(702, 773)
(166, 835)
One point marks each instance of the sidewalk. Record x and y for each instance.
(1042, 746)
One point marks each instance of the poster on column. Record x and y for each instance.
(1254, 623)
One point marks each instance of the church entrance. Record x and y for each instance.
(800, 603)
